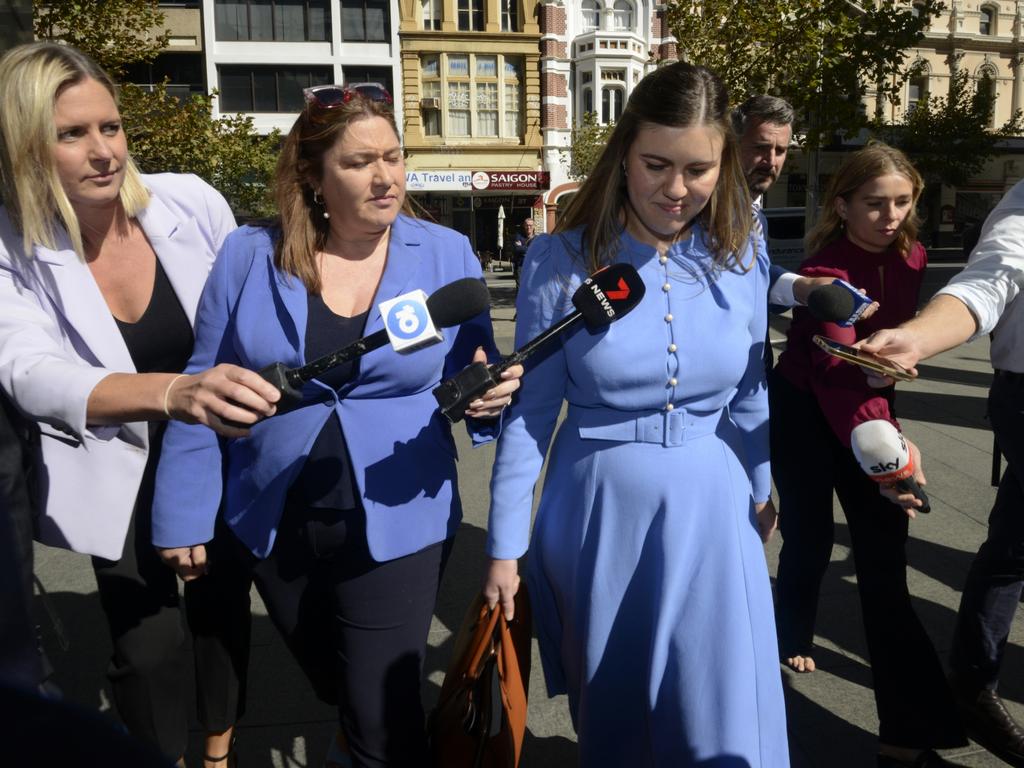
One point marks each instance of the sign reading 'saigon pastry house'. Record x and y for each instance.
(503, 180)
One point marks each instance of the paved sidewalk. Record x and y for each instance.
(832, 718)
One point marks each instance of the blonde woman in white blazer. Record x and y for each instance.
(101, 270)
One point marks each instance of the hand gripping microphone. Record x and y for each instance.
(409, 324)
(604, 297)
(882, 453)
(838, 302)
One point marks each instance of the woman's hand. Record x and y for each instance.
(501, 586)
(225, 392)
(188, 562)
(907, 501)
(493, 401)
(767, 519)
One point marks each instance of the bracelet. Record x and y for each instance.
(167, 394)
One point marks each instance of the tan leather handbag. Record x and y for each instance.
(480, 718)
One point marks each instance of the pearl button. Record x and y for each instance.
(668, 318)
(669, 407)
(666, 287)
(672, 347)
(673, 382)
(663, 259)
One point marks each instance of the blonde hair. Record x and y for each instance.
(304, 229)
(859, 168)
(31, 78)
(679, 95)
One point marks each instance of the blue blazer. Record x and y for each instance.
(401, 449)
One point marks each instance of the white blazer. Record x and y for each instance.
(58, 339)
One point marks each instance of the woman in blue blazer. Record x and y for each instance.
(101, 270)
(342, 509)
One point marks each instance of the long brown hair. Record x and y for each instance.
(678, 95)
(304, 230)
(862, 166)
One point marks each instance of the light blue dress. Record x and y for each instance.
(648, 579)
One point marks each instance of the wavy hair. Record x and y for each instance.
(303, 229)
(32, 76)
(679, 95)
(874, 160)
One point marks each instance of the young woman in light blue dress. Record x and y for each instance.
(646, 570)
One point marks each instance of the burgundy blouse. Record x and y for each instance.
(841, 389)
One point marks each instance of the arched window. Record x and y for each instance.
(622, 15)
(917, 91)
(612, 101)
(987, 20)
(591, 15)
(987, 75)
(588, 100)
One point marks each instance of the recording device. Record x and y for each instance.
(838, 302)
(882, 453)
(410, 323)
(863, 359)
(604, 297)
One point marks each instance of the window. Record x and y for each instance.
(471, 15)
(379, 75)
(917, 91)
(986, 90)
(987, 20)
(622, 15)
(183, 72)
(432, 14)
(267, 89)
(471, 95)
(509, 15)
(266, 20)
(588, 100)
(591, 15)
(364, 20)
(611, 104)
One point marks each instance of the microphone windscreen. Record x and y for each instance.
(457, 302)
(831, 303)
(881, 451)
(608, 294)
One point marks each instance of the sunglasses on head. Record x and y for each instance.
(329, 96)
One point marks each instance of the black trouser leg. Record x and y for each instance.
(375, 626)
(993, 587)
(915, 705)
(139, 595)
(802, 467)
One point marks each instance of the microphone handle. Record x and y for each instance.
(456, 393)
(299, 376)
(910, 485)
(289, 387)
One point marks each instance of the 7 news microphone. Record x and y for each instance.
(603, 298)
(410, 323)
(882, 453)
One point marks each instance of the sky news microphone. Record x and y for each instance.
(838, 302)
(883, 454)
(607, 295)
(410, 323)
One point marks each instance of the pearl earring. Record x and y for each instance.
(319, 200)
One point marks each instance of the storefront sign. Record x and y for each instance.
(438, 181)
(502, 180)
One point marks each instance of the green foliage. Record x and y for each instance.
(116, 33)
(820, 55)
(950, 137)
(586, 144)
(168, 135)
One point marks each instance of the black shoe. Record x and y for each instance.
(929, 758)
(989, 724)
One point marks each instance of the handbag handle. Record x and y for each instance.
(474, 668)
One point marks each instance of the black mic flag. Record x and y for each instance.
(604, 297)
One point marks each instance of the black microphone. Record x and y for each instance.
(448, 306)
(607, 295)
(837, 303)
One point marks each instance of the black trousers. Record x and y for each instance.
(357, 627)
(915, 705)
(993, 587)
(148, 667)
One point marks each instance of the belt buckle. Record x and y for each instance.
(673, 432)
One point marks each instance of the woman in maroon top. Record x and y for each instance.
(867, 236)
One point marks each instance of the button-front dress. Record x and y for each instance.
(650, 590)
